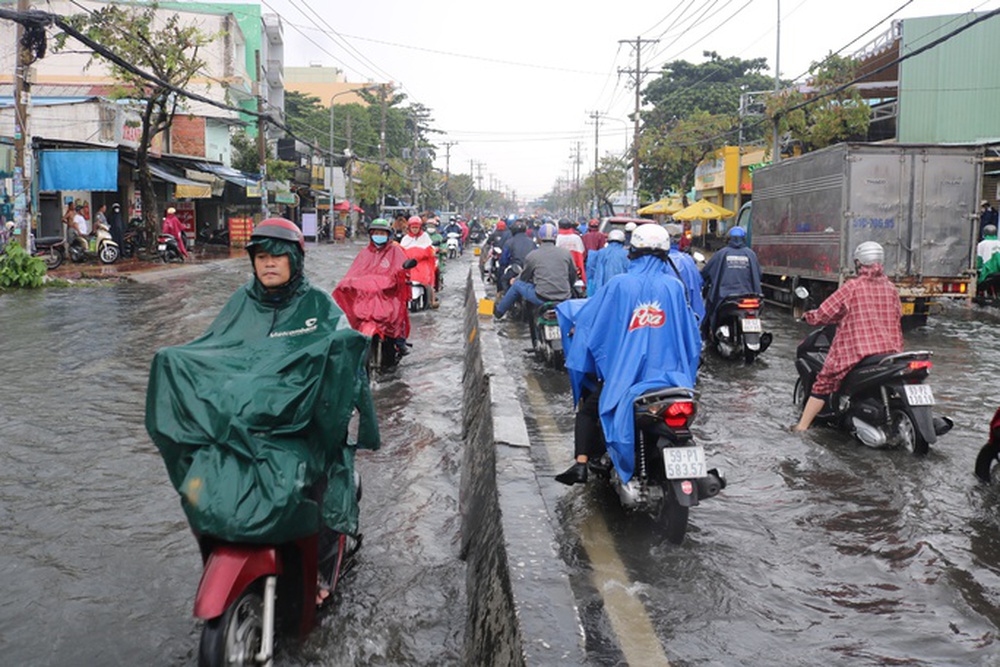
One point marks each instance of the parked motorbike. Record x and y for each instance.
(53, 250)
(453, 244)
(214, 236)
(134, 240)
(883, 402)
(252, 594)
(671, 473)
(738, 332)
(167, 248)
(108, 251)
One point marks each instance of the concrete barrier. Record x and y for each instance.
(521, 610)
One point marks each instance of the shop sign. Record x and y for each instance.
(709, 174)
(185, 213)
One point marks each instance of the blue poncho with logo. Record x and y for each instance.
(637, 333)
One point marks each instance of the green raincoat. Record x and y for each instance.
(252, 417)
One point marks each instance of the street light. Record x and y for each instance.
(335, 96)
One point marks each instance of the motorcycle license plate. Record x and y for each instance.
(918, 394)
(751, 325)
(552, 332)
(684, 462)
(161, 247)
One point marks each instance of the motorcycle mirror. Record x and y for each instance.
(802, 292)
(409, 264)
(698, 257)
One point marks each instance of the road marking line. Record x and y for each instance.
(631, 623)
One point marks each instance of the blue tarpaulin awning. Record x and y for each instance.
(93, 171)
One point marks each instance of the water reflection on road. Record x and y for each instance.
(820, 551)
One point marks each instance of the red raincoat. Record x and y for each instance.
(374, 294)
(421, 249)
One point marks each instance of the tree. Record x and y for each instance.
(610, 179)
(842, 116)
(164, 48)
(694, 111)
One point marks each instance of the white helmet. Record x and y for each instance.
(616, 236)
(869, 252)
(651, 237)
(630, 226)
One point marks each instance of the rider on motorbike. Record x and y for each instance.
(515, 251)
(635, 334)
(594, 239)
(867, 313)
(607, 262)
(570, 239)
(732, 271)
(687, 270)
(418, 245)
(988, 253)
(252, 417)
(548, 275)
(374, 289)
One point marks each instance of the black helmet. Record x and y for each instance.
(566, 223)
(518, 226)
(278, 228)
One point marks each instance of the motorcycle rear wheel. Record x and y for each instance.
(906, 433)
(673, 519)
(986, 461)
(799, 394)
(235, 637)
(53, 259)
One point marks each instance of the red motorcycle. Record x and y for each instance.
(251, 594)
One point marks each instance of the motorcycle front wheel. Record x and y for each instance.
(108, 254)
(673, 518)
(235, 637)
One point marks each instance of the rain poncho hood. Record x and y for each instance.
(374, 292)
(252, 417)
(637, 333)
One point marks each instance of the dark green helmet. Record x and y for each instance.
(379, 223)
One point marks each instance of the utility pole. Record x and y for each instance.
(262, 140)
(447, 173)
(636, 75)
(414, 162)
(777, 84)
(381, 147)
(23, 162)
(597, 124)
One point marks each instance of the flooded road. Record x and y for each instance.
(99, 566)
(820, 551)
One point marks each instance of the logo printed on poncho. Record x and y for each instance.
(647, 315)
(308, 328)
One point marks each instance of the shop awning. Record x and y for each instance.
(234, 176)
(184, 188)
(92, 171)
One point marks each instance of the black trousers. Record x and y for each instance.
(588, 437)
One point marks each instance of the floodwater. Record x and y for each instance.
(98, 564)
(820, 551)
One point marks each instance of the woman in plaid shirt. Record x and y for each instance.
(867, 313)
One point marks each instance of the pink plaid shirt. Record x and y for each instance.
(867, 312)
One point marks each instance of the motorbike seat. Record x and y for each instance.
(892, 357)
(48, 240)
(656, 395)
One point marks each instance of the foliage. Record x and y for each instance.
(20, 269)
(610, 179)
(695, 109)
(159, 45)
(377, 180)
(843, 116)
(669, 155)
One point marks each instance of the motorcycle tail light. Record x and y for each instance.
(749, 303)
(920, 365)
(678, 414)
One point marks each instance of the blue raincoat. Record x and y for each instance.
(692, 279)
(637, 333)
(732, 271)
(605, 264)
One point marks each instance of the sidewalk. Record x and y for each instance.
(124, 269)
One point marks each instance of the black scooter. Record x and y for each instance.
(883, 401)
(167, 248)
(546, 337)
(738, 330)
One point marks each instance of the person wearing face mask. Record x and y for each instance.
(418, 245)
(374, 292)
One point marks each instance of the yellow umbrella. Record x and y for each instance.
(703, 210)
(663, 206)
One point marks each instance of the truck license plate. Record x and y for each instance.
(918, 394)
(684, 462)
(751, 325)
(552, 332)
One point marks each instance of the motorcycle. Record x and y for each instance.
(738, 331)
(490, 266)
(989, 455)
(383, 352)
(167, 248)
(883, 401)
(418, 297)
(671, 474)
(252, 594)
(53, 250)
(108, 251)
(453, 245)
(134, 240)
(214, 236)
(546, 338)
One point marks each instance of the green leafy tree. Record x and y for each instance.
(247, 158)
(842, 116)
(695, 110)
(154, 44)
(610, 178)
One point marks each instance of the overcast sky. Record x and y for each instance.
(513, 83)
